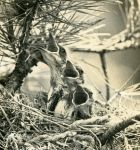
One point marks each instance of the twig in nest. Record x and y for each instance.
(8, 120)
(53, 138)
(13, 140)
(93, 120)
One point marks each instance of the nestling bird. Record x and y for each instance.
(76, 105)
(82, 101)
(60, 55)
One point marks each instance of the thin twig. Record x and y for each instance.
(103, 64)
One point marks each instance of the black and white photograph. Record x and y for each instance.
(69, 74)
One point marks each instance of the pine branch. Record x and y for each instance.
(113, 130)
(128, 38)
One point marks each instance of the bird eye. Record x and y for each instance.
(62, 49)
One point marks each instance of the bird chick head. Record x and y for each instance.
(80, 96)
(57, 50)
(70, 70)
(52, 44)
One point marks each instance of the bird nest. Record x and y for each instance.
(25, 126)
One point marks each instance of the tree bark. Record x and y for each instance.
(23, 67)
